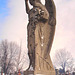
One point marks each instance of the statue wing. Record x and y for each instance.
(50, 6)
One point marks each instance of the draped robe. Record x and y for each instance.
(40, 38)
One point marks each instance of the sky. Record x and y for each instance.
(14, 20)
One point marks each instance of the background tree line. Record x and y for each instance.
(64, 61)
(11, 57)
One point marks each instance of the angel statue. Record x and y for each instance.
(41, 29)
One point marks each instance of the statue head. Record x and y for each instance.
(32, 2)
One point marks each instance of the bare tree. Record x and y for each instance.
(63, 59)
(8, 53)
(20, 59)
(11, 57)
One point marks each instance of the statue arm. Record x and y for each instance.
(27, 6)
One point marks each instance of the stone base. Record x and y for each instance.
(28, 72)
(39, 72)
(44, 73)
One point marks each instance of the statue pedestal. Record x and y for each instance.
(44, 73)
(28, 72)
(39, 73)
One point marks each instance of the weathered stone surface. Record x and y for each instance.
(41, 29)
